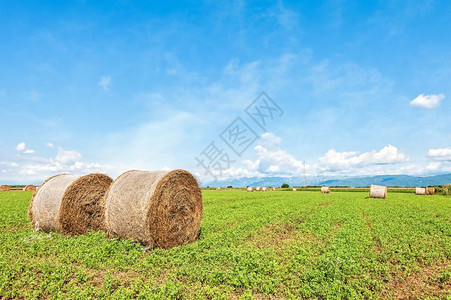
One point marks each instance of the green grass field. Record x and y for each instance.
(252, 245)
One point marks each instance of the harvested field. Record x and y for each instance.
(260, 245)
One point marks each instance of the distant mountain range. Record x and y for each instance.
(387, 180)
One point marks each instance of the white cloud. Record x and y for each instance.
(105, 83)
(250, 165)
(433, 166)
(270, 139)
(336, 161)
(277, 160)
(427, 101)
(50, 145)
(272, 160)
(22, 148)
(35, 169)
(8, 164)
(64, 156)
(443, 154)
(235, 172)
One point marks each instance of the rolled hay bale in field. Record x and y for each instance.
(4, 188)
(325, 190)
(250, 189)
(264, 189)
(30, 188)
(294, 189)
(378, 191)
(420, 191)
(159, 209)
(70, 204)
(258, 189)
(430, 191)
(30, 207)
(218, 188)
(273, 189)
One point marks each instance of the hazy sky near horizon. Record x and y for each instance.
(108, 86)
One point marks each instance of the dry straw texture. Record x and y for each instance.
(430, 191)
(29, 188)
(250, 189)
(378, 191)
(30, 207)
(70, 204)
(258, 188)
(264, 189)
(4, 188)
(420, 191)
(325, 190)
(158, 209)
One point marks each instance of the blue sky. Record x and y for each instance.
(108, 86)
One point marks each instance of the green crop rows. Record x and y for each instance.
(252, 245)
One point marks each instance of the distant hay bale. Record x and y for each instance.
(258, 188)
(273, 189)
(250, 189)
(325, 190)
(70, 204)
(294, 189)
(430, 191)
(218, 188)
(4, 188)
(378, 191)
(30, 188)
(420, 191)
(159, 209)
(264, 189)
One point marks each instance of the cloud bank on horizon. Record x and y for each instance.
(97, 87)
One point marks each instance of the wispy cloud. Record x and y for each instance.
(105, 83)
(427, 101)
(288, 19)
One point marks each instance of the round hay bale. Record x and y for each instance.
(420, 191)
(325, 190)
(4, 188)
(70, 204)
(30, 207)
(378, 191)
(218, 188)
(294, 189)
(273, 189)
(29, 188)
(264, 189)
(159, 209)
(430, 191)
(258, 189)
(250, 189)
